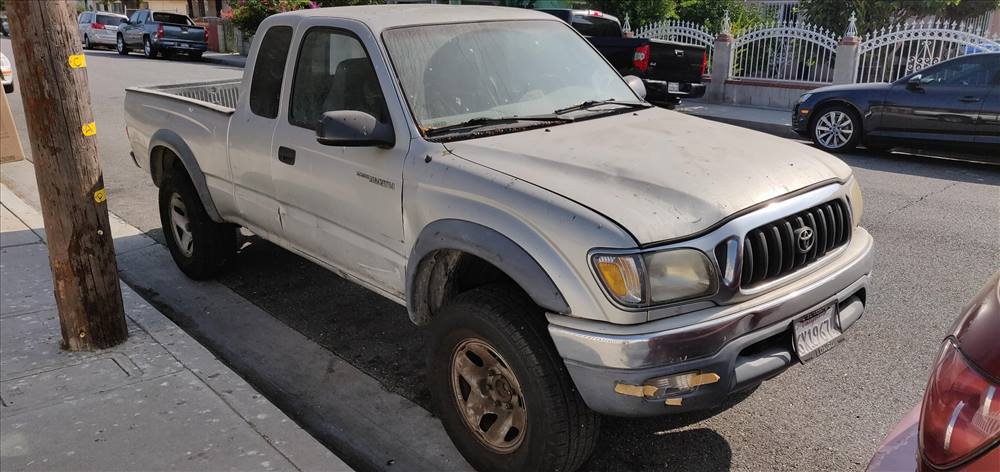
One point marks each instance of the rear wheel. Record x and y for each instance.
(86, 42)
(502, 392)
(200, 247)
(836, 129)
(147, 48)
(120, 45)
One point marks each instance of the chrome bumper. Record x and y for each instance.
(710, 340)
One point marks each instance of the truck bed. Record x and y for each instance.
(219, 95)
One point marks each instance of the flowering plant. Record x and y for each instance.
(248, 14)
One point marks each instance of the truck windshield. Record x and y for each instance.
(591, 25)
(457, 72)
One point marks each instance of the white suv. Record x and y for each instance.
(99, 28)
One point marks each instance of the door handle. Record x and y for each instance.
(969, 99)
(286, 155)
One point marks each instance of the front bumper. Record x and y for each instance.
(743, 344)
(801, 113)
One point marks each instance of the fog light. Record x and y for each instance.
(679, 383)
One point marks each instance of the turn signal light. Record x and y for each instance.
(960, 417)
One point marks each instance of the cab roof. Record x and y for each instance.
(382, 17)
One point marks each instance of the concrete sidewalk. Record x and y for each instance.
(768, 120)
(159, 401)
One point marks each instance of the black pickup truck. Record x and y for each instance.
(158, 32)
(670, 70)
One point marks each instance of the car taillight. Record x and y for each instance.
(704, 62)
(960, 416)
(96, 26)
(641, 58)
(159, 31)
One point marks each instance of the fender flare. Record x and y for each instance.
(169, 140)
(489, 245)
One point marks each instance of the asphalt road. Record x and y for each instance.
(937, 229)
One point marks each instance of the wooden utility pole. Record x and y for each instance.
(53, 72)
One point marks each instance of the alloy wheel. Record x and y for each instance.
(147, 48)
(120, 44)
(834, 129)
(180, 226)
(488, 396)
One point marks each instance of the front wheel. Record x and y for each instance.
(500, 389)
(836, 129)
(199, 246)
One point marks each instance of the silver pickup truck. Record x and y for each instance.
(574, 250)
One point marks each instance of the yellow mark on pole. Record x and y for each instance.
(101, 195)
(77, 61)
(89, 129)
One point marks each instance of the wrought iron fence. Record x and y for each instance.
(893, 52)
(684, 32)
(788, 52)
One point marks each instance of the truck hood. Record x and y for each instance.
(660, 174)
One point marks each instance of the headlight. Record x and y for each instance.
(638, 280)
(804, 97)
(857, 202)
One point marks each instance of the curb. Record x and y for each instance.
(232, 60)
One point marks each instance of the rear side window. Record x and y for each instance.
(84, 18)
(333, 73)
(268, 71)
(109, 20)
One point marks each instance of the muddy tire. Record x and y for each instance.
(200, 247)
(500, 388)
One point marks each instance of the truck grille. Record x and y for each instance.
(782, 246)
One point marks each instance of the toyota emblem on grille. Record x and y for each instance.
(804, 239)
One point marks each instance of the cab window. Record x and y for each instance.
(332, 73)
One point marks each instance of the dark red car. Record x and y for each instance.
(957, 427)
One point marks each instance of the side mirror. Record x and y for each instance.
(354, 128)
(636, 85)
(915, 82)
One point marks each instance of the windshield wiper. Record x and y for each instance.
(482, 121)
(594, 103)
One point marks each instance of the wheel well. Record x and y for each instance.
(444, 274)
(163, 161)
(819, 109)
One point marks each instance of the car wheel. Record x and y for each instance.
(199, 246)
(120, 45)
(500, 388)
(86, 42)
(8, 88)
(147, 48)
(836, 129)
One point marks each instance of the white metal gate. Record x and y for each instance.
(788, 52)
(684, 32)
(893, 52)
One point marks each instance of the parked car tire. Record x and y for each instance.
(496, 335)
(147, 48)
(86, 42)
(200, 247)
(836, 129)
(8, 88)
(120, 45)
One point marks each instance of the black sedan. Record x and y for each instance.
(951, 106)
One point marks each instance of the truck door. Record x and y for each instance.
(251, 133)
(342, 205)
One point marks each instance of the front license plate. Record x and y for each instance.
(816, 332)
